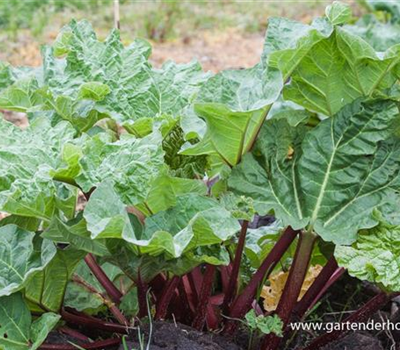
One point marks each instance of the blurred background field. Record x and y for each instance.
(219, 33)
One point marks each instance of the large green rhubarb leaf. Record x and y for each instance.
(328, 66)
(194, 222)
(374, 257)
(22, 256)
(132, 163)
(129, 172)
(137, 90)
(74, 233)
(47, 288)
(328, 179)
(18, 332)
(174, 240)
(339, 70)
(287, 42)
(27, 158)
(234, 105)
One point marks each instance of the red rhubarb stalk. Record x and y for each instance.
(233, 281)
(73, 333)
(293, 286)
(338, 273)
(114, 309)
(93, 323)
(212, 319)
(361, 315)
(157, 285)
(166, 296)
(101, 276)
(195, 279)
(142, 296)
(185, 303)
(225, 272)
(243, 302)
(204, 296)
(186, 289)
(310, 298)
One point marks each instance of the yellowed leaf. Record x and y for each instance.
(290, 152)
(272, 293)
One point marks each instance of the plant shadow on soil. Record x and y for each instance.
(347, 295)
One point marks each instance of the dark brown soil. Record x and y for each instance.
(356, 341)
(170, 336)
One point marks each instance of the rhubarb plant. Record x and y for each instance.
(137, 189)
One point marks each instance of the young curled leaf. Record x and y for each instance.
(338, 13)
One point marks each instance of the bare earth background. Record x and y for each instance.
(220, 34)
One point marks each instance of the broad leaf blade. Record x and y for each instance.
(234, 105)
(330, 178)
(47, 288)
(338, 70)
(17, 330)
(22, 256)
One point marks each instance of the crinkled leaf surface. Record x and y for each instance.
(84, 80)
(340, 69)
(137, 90)
(132, 164)
(328, 179)
(287, 42)
(17, 330)
(193, 222)
(9, 75)
(338, 13)
(22, 256)
(27, 158)
(129, 172)
(75, 233)
(137, 169)
(374, 257)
